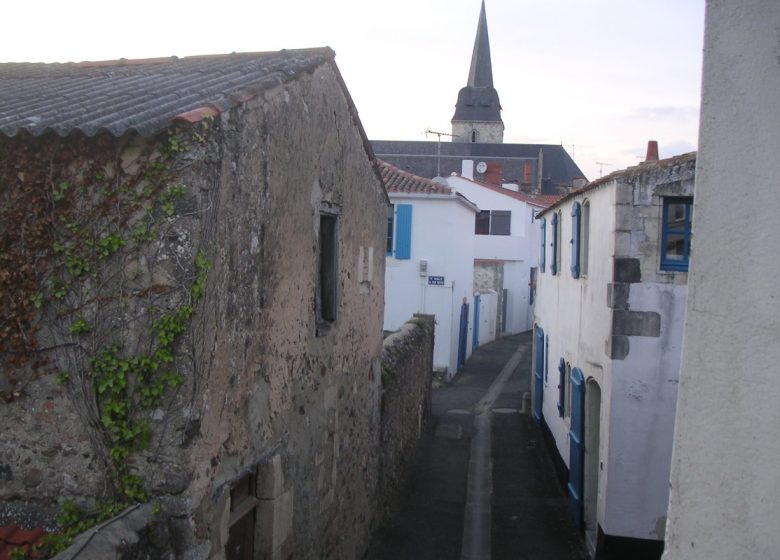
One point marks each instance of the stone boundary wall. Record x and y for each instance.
(138, 533)
(407, 372)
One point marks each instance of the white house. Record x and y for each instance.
(505, 244)
(607, 344)
(725, 498)
(429, 263)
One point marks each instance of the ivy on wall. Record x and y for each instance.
(97, 288)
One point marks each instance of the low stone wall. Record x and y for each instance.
(138, 533)
(407, 369)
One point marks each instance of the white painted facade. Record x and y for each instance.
(442, 237)
(513, 255)
(620, 323)
(725, 497)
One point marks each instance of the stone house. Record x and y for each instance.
(607, 344)
(506, 245)
(191, 298)
(429, 262)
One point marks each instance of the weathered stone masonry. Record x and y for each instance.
(262, 393)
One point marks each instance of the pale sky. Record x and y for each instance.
(599, 76)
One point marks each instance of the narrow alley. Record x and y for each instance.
(483, 485)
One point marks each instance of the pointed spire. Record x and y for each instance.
(481, 71)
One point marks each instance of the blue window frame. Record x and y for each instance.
(403, 231)
(542, 252)
(576, 220)
(554, 245)
(676, 233)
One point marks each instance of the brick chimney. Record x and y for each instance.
(652, 151)
(493, 174)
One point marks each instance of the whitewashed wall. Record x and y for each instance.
(575, 317)
(443, 235)
(518, 250)
(638, 393)
(725, 496)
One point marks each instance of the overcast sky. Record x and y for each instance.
(599, 76)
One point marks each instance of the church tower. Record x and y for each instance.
(478, 112)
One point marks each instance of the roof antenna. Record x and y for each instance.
(438, 147)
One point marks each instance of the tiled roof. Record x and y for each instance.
(12, 537)
(539, 200)
(626, 175)
(141, 95)
(398, 181)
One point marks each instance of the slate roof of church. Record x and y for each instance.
(140, 95)
(420, 158)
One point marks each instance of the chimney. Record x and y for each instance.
(493, 174)
(467, 169)
(652, 151)
(527, 173)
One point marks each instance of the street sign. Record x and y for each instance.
(436, 280)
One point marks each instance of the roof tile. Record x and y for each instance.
(399, 181)
(142, 95)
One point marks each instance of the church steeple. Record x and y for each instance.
(478, 111)
(481, 72)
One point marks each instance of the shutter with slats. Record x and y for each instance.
(576, 218)
(542, 252)
(403, 231)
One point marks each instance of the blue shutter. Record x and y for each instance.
(561, 386)
(542, 253)
(403, 231)
(554, 245)
(576, 213)
(576, 447)
(538, 374)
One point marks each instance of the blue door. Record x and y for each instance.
(475, 339)
(538, 374)
(576, 449)
(463, 336)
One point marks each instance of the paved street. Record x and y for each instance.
(483, 486)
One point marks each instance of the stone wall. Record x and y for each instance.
(266, 390)
(407, 367)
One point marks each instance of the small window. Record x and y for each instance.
(532, 286)
(474, 136)
(493, 222)
(482, 223)
(558, 237)
(554, 245)
(567, 392)
(676, 233)
(542, 252)
(327, 278)
(390, 225)
(584, 238)
(546, 355)
(500, 222)
(561, 387)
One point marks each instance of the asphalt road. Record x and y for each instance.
(483, 486)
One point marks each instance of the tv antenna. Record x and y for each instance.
(438, 147)
(601, 165)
